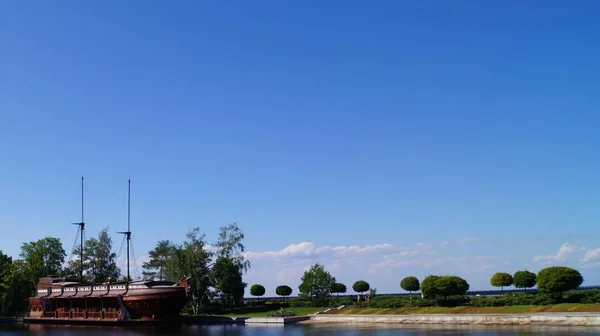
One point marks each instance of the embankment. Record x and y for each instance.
(566, 319)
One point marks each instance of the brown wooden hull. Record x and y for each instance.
(109, 303)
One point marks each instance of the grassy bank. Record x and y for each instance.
(557, 308)
(253, 312)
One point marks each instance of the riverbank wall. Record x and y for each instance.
(551, 319)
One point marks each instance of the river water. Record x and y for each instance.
(297, 330)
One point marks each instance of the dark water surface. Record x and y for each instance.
(295, 330)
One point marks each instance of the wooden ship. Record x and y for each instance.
(59, 301)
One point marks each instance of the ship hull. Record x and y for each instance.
(138, 301)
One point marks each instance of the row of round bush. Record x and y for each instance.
(556, 279)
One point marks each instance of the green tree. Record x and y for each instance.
(524, 279)
(14, 288)
(229, 245)
(100, 260)
(444, 286)
(361, 286)
(429, 286)
(42, 258)
(338, 288)
(558, 279)
(159, 256)
(193, 259)
(5, 272)
(228, 282)
(410, 284)
(316, 282)
(283, 290)
(257, 290)
(501, 280)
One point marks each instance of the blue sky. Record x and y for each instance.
(428, 135)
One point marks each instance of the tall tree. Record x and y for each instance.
(42, 258)
(192, 259)
(229, 245)
(316, 282)
(159, 256)
(5, 272)
(15, 288)
(228, 282)
(99, 260)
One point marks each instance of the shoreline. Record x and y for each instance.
(534, 319)
(547, 319)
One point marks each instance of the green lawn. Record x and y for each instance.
(249, 312)
(563, 307)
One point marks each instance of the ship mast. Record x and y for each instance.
(128, 232)
(81, 229)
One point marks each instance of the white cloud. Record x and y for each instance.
(561, 256)
(382, 265)
(591, 254)
(308, 249)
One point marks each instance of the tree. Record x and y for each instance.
(524, 279)
(429, 286)
(42, 258)
(283, 290)
(192, 259)
(5, 272)
(14, 288)
(501, 280)
(228, 282)
(558, 279)
(316, 282)
(100, 260)
(257, 290)
(410, 284)
(444, 286)
(361, 286)
(159, 256)
(338, 288)
(229, 245)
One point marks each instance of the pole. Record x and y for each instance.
(81, 238)
(128, 223)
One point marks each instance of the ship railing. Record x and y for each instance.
(111, 314)
(95, 315)
(79, 315)
(64, 314)
(49, 314)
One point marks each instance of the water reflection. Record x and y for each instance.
(298, 330)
